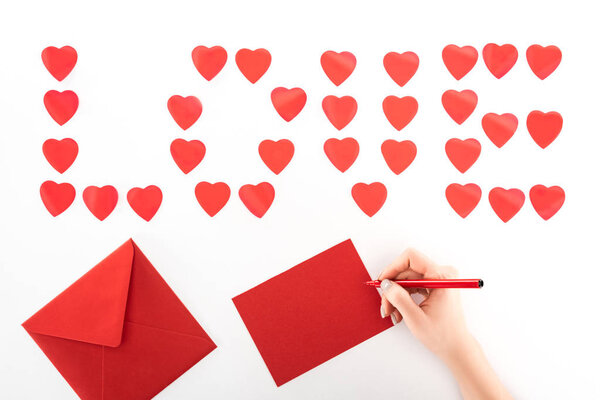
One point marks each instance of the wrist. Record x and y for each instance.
(473, 373)
(462, 351)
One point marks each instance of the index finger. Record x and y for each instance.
(411, 259)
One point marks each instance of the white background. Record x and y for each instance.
(534, 318)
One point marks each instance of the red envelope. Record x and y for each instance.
(312, 312)
(119, 332)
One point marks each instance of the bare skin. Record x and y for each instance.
(438, 322)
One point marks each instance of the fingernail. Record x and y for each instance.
(383, 312)
(386, 284)
(394, 320)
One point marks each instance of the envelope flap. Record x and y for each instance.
(92, 309)
(153, 303)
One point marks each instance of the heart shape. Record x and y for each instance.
(209, 61)
(288, 102)
(400, 110)
(60, 153)
(338, 66)
(459, 60)
(257, 198)
(276, 155)
(463, 198)
(499, 128)
(463, 153)
(101, 201)
(459, 105)
(145, 202)
(369, 197)
(543, 60)
(506, 203)
(59, 62)
(253, 63)
(544, 127)
(401, 67)
(184, 110)
(398, 155)
(57, 197)
(339, 110)
(499, 59)
(212, 197)
(546, 200)
(61, 105)
(187, 155)
(342, 153)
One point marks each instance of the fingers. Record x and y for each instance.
(408, 274)
(387, 307)
(441, 295)
(413, 260)
(401, 300)
(448, 272)
(412, 264)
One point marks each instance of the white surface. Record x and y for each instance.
(537, 328)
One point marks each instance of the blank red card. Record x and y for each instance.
(312, 312)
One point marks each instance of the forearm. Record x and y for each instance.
(476, 378)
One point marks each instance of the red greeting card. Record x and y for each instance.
(312, 312)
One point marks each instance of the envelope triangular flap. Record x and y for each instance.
(92, 309)
(153, 303)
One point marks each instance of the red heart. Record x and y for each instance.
(145, 202)
(546, 200)
(184, 110)
(257, 198)
(463, 153)
(463, 198)
(60, 153)
(187, 155)
(57, 197)
(288, 102)
(59, 62)
(400, 111)
(543, 60)
(342, 153)
(276, 155)
(338, 66)
(253, 63)
(212, 197)
(401, 67)
(459, 105)
(209, 61)
(398, 155)
(459, 60)
(499, 128)
(369, 197)
(499, 59)
(61, 105)
(544, 127)
(506, 202)
(101, 201)
(339, 110)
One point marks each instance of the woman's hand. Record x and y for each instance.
(439, 323)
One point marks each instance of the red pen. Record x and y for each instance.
(435, 283)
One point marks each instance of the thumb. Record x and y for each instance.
(401, 300)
